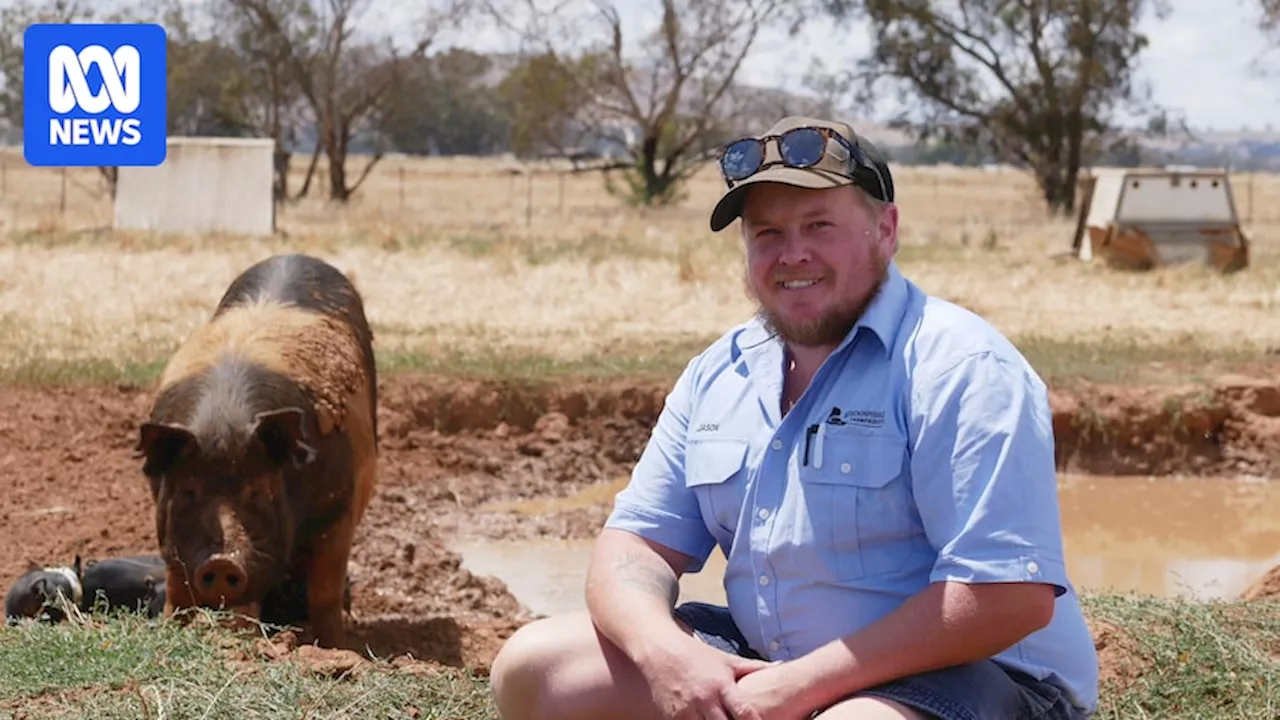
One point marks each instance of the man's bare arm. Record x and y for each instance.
(947, 623)
(632, 587)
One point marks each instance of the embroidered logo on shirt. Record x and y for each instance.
(864, 418)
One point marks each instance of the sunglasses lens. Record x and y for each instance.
(803, 148)
(742, 158)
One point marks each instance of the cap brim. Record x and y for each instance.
(730, 206)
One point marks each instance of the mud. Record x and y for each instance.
(452, 450)
(1266, 588)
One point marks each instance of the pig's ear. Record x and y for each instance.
(160, 444)
(283, 435)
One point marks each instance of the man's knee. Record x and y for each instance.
(871, 708)
(560, 668)
(524, 659)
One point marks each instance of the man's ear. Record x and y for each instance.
(161, 444)
(283, 434)
(889, 228)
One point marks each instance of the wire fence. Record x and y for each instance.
(500, 194)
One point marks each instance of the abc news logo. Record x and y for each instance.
(95, 94)
(69, 89)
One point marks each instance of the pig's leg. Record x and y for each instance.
(177, 593)
(326, 580)
(327, 571)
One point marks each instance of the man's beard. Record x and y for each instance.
(831, 327)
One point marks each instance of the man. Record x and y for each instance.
(877, 466)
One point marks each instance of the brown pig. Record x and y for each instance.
(261, 444)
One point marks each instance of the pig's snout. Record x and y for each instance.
(221, 580)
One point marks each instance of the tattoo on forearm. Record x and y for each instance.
(648, 575)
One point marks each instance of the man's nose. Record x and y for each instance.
(794, 249)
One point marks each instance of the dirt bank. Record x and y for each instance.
(449, 448)
(1228, 427)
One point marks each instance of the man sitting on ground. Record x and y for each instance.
(877, 466)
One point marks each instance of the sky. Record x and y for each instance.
(1199, 60)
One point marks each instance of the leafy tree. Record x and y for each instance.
(1038, 82)
(447, 105)
(544, 94)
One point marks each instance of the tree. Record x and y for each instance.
(346, 83)
(1038, 82)
(663, 109)
(544, 97)
(447, 107)
(14, 20)
(1270, 15)
(251, 92)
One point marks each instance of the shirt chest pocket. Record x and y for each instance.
(859, 503)
(714, 470)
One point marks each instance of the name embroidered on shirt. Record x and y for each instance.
(707, 427)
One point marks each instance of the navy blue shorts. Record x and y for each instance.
(979, 691)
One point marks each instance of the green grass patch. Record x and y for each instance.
(128, 667)
(1185, 659)
(1180, 660)
(1129, 360)
(1110, 360)
(658, 361)
(66, 373)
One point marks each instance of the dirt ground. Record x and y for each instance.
(448, 448)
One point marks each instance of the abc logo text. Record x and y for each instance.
(94, 94)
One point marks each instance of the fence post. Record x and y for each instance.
(528, 201)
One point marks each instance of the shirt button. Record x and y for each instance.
(773, 646)
(764, 579)
(846, 468)
(777, 444)
(764, 513)
(1032, 567)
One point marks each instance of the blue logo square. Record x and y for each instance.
(94, 94)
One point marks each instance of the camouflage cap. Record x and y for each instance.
(834, 169)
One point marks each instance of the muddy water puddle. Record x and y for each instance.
(1197, 537)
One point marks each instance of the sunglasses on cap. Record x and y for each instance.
(801, 148)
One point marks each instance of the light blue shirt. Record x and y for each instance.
(922, 451)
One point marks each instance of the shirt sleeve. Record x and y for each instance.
(657, 504)
(983, 474)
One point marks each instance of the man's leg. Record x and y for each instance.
(967, 692)
(561, 667)
(872, 708)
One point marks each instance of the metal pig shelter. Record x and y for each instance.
(1140, 218)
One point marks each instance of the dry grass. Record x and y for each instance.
(469, 257)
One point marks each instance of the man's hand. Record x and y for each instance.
(690, 680)
(772, 694)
